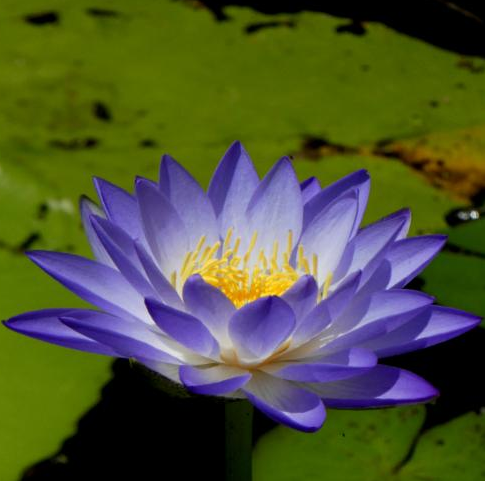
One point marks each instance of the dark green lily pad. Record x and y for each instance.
(469, 238)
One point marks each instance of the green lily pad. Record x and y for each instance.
(351, 445)
(375, 445)
(469, 237)
(442, 454)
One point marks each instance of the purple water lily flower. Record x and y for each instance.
(261, 289)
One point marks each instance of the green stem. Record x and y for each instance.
(239, 431)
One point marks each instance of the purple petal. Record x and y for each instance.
(259, 328)
(378, 280)
(88, 208)
(115, 236)
(231, 188)
(342, 365)
(95, 283)
(408, 257)
(123, 254)
(127, 338)
(285, 403)
(328, 233)
(210, 305)
(213, 380)
(46, 326)
(309, 189)
(325, 311)
(435, 325)
(383, 312)
(190, 201)
(359, 180)
(164, 289)
(381, 386)
(405, 228)
(382, 305)
(165, 232)
(370, 245)
(120, 207)
(341, 297)
(184, 328)
(276, 208)
(302, 296)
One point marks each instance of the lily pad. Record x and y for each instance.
(468, 237)
(375, 445)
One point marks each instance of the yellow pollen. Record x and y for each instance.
(246, 277)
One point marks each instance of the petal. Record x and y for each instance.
(358, 180)
(213, 380)
(382, 312)
(328, 233)
(120, 207)
(381, 386)
(325, 311)
(370, 245)
(115, 236)
(122, 251)
(184, 328)
(165, 232)
(342, 365)
(210, 305)
(435, 325)
(127, 338)
(88, 208)
(231, 188)
(276, 208)
(408, 257)
(190, 201)
(382, 305)
(259, 328)
(96, 283)
(46, 326)
(164, 289)
(281, 401)
(309, 189)
(302, 296)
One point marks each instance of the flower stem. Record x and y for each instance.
(238, 430)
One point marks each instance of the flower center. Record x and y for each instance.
(245, 277)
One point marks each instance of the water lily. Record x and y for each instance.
(266, 290)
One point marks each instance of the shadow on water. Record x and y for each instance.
(137, 431)
(457, 25)
(455, 368)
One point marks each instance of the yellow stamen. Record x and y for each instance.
(326, 286)
(289, 245)
(301, 256)
(315, 266)
(227, 240)
(173, 279)
(241, 278)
